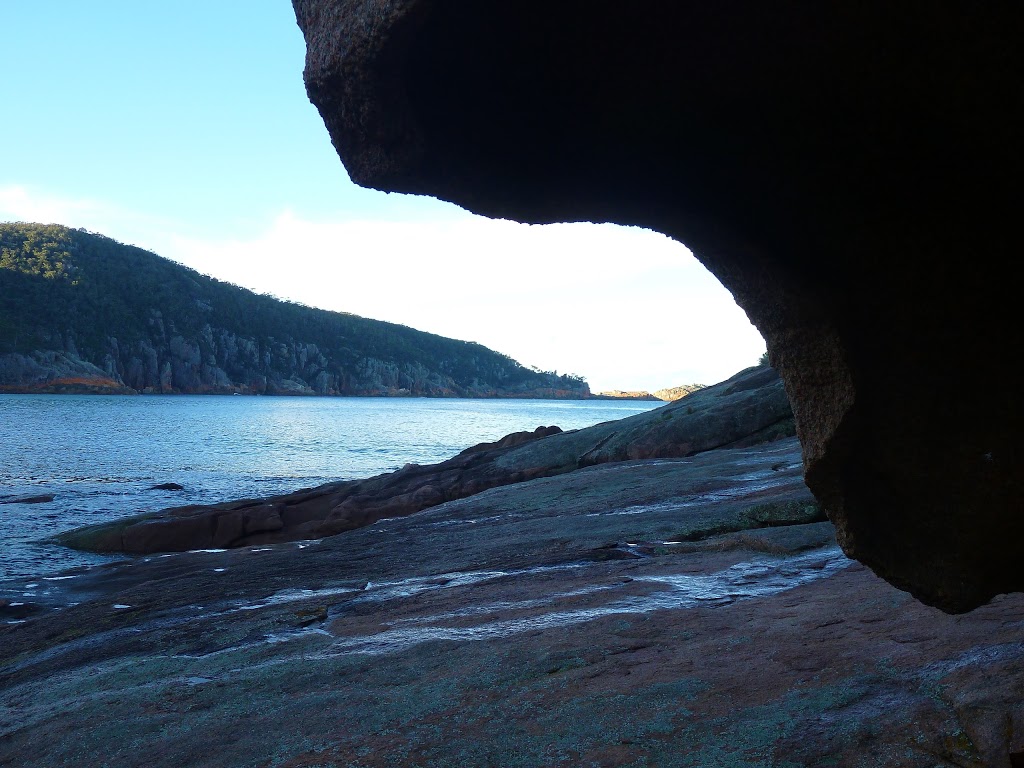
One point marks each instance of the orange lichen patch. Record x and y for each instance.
(63, 383)
(84, 381)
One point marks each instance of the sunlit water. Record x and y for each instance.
(100, 456)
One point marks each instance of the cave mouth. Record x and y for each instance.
(628, 308)
(842, 169)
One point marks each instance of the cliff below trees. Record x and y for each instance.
(80, 312)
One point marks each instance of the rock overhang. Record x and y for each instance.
(847, 171)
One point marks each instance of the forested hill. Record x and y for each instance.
(80, 312)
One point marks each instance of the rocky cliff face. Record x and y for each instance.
(668, 394)
(56, 372)
(849, 171)
(220, 362)
(676, 393)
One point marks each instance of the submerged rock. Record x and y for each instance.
(43, 498)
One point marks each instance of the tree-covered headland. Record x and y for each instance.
(82, 312)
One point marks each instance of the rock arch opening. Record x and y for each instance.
(847, 172)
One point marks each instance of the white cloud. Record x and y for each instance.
(625, 307)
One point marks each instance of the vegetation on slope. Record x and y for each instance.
(75, 304)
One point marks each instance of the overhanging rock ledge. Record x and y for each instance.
(850, 171)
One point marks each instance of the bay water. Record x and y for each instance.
(100, 456)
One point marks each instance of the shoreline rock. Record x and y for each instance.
(749, 408)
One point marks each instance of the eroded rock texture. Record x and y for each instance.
(850, 172)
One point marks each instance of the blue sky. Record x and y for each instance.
(184, 128)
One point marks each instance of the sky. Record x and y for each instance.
(184, 128)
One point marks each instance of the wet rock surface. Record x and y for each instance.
(748, 408)
(842, 168)
(673, 612)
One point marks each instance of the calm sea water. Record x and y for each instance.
(100, 456)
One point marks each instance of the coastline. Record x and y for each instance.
(102, 385)
(111, 387)
(748, 409)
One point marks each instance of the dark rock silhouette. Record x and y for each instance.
(851, 172)
(43, 498)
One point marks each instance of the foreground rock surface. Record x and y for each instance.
(848, 171)
(748, 408)
(632, 613)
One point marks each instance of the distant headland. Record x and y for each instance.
(82, 313)
(667, 395)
